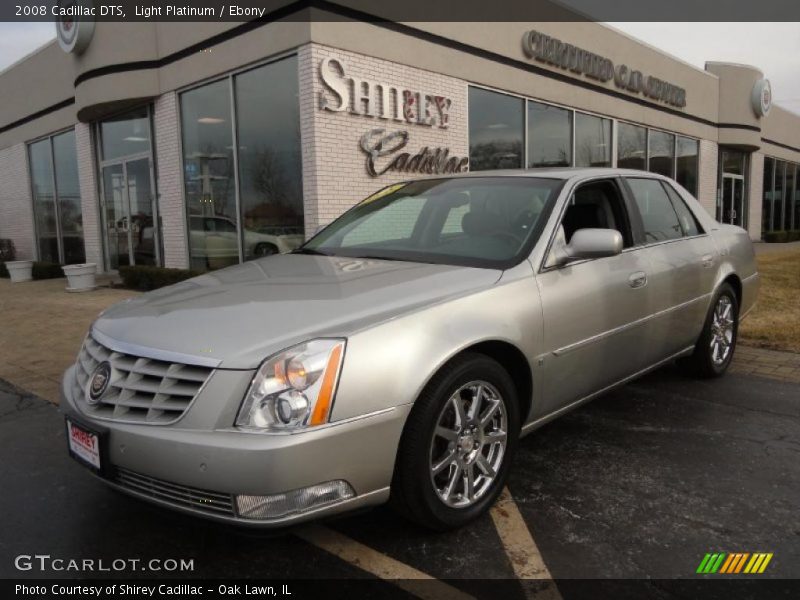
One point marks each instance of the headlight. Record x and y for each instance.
(295, 388)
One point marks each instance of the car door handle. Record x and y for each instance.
(638, 279)
(707, 260)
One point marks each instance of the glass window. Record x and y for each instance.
(658, 216)
(503, 217)
(777, 210)
(208, 173)
(270, 170)
(592, 141)
(662, 153)
(69, 197)
(768, 198)
(733, 162)
(687, 162)
(44, 201)
(631, 147)
(788, 195)
(549, 136)
(797, 198)
(685, 216)
(496, 124)
(125, 134)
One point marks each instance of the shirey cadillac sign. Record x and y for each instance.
(387, 150)
(549, 50)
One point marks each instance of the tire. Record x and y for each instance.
(264, 249)
(718, 337)
(469, 446)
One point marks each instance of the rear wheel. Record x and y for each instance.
(714, 350)
(458, 443)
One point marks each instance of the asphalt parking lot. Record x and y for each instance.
(639, 484)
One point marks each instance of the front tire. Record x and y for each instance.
(714, 350)
(457, 445)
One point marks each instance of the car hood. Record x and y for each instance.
(240, 315)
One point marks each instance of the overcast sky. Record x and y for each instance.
(772, 47)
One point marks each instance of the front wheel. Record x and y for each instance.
(457, 445)
(713, 352)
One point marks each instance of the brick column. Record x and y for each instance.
(90, 202)
(755, 181)
(169, 184)
(708, 176)
(16, 208)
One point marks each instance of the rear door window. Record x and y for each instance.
(685, 216)
(659, 218)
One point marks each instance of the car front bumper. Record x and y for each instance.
(174, 465)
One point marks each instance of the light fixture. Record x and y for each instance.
(210, 120)
(134, 138)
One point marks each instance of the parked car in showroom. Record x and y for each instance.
(400, 354)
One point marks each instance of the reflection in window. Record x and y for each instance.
(270, 171)
(69, 197)
(777, 206)
(662, 153)
(208, 174)
(592, 141)
(733, 161)
(125, 134)
(687, 161)
(549, 136)
(631, 147)
(496, 124)
(788, 194)
(768, 198)
(44, 204)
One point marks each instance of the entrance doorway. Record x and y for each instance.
(732, 209)
(128, 193)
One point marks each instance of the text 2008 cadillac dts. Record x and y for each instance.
(401, 353)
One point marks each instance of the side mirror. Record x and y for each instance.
(592, 243)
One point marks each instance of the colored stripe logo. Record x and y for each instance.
(734, 562)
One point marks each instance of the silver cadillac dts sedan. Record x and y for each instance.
(400, 354)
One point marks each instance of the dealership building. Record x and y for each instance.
(206, 144)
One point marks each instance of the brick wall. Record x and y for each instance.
(90, 203)
(755, 195)
(707, 177)
(16, 210)
(170, 184)
(334, 166)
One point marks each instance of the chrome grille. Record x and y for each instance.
(141, 390)
(179, 495)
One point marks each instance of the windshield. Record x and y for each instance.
(472, 221)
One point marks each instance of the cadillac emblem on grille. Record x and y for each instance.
(98, 382)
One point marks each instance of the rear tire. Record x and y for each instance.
(453, 463)
(714, 350)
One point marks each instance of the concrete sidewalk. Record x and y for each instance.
(42, 327)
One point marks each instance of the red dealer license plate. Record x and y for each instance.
(84, 445)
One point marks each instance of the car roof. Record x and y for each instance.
(557, 173)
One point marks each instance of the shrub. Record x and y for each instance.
(7, 250)
(776, 237)
(46, 270)
(145, 278)
(3, 271)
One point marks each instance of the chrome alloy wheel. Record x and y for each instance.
(468, 444)
(722, 330)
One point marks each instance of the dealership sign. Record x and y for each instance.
(389, 102)
(554, 52)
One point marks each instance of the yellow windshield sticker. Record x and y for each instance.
(384, 192)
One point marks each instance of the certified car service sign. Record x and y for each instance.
(74, 25)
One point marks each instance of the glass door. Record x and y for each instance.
(732, 208)
(115, 215)
(128, 208)
(140, 206)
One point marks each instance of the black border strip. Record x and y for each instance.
(37, 114)
(738, 126)
(780, 144)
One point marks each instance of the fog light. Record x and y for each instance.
(277, 506)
